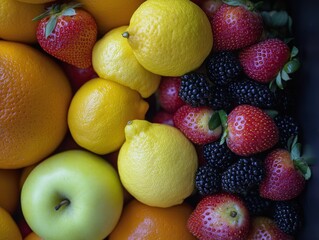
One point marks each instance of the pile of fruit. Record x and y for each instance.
(157, 119)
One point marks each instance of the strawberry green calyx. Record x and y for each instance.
(243, 3)
(290, 67)
(54, 12)
(219, 118)
(299, 161)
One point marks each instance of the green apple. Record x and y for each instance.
(72, 195)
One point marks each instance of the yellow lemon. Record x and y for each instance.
(157, 164)
(113, 59)
(8, 227)
(99, 112)
(170, 37)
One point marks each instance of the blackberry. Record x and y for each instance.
(243, 175)
(247, 91)
(256, 205)
(288, 127)
(220, 98)
(195, 89)
(218, 156)
(223, 67)
(287, 216)
(208, 180)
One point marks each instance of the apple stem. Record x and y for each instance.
(63, 202)
(233, 214)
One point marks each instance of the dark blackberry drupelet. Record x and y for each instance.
(195, 89)
(223, 67)
(243, 175)
(246, 91)
(288, 127)
(208, 180)
(218, 156)
(220, 98)
(287, 216)
(256, 205)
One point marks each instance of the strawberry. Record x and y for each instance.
(247, 130)
(168, 94)
(286, 173)
(264, 60)
(78, 76)
(163, 117)
(266, 228)
(193, 122)
(219, 216)
(235, 26)
(67, 33)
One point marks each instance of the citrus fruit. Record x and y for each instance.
(33, 236)
(25, 173)
(36, 1)
(35, 96)
(9, 188)
(157, 163)
(16, 20)
(140, 221)
(99, 112)
(8, 228)
(113, 59)
(168, 37)
(110, 14)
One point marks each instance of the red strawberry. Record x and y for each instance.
(168, 94)
(193, 122)
(250, 130)
(266, 228)
(219, 216)
(264, 60)
(209, 6)
(235, 27)
(285, 174)
(163, 117)
(68, 33)
(78, 76)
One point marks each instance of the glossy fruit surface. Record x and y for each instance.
(157, 49)
(99, 112)
(113, 59)
(157, 164)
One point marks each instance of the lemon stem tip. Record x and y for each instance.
(125, 35)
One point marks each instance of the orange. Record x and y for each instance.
(25, 173)
(35, 96)
(33, 236)
(140, 221)
(36, 1)
(8, 227)
(9, 189)
(16, 20)
(109, 13)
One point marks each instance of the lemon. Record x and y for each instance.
(170, 37)
(157, 164)
(113, 59)
(99, 112)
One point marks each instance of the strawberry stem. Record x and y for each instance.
(54, 12)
